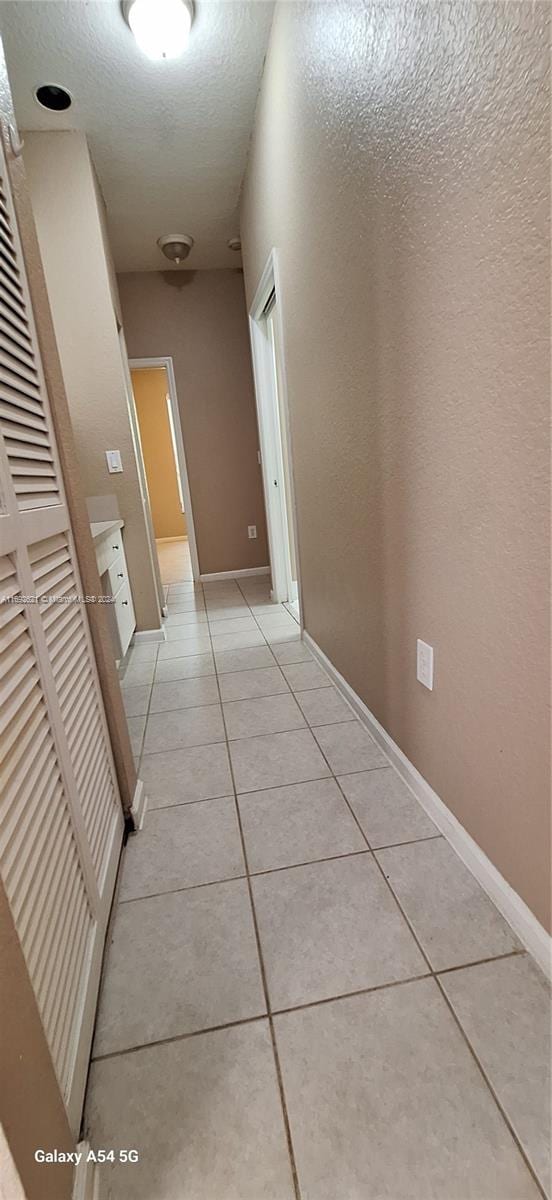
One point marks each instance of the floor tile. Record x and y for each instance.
(265, 714)
(185, 727)
(349, 747)
(279, 620)
(227, 611)
(182, 776)
(330, 928)
(291, 652)
(136, 700)
(179, 962)
(244, 659)
(184, 668)
(303, 676)
(324, 706)
(504, 1008)
(386, 808)
(297, 824)
(232, 624)
(245, 685)
(137, 674)
(182, 847)
(450, 913)
(186, 604)
(184, 693)
(191, 619)
(386, 1103)
(267, 607)
(197, 643)
(136, 726)
(208, 1114)
(276, 759)
(142, 652)
(184, 589)
(238, 641)
(279, 634)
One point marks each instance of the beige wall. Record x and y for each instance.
(199, 318)
(399, 164)
(80, 285)
(150, 387)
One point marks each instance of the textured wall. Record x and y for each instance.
(199, 318)
(150, 389)
(69, 226)
(399, 164)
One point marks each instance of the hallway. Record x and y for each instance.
(306, 993)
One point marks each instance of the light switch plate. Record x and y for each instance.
(424, 664)
(251, 531)
(114, 464)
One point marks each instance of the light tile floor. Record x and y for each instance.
(306, 995)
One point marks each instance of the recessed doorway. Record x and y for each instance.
(161, 448)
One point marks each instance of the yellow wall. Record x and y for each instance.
(150, 388)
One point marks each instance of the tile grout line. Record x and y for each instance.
(276, 1058)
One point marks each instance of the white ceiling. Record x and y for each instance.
(169, 139)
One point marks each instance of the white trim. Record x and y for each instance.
(167, 363)
(270, 394)
(234, 574)
(86, 1180)
(149, 635)
(139, 805)
(514, 910)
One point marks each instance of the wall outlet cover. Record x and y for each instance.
(424, 664)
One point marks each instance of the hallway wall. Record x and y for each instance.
(399, 165)
(68, 210)
(199, 319)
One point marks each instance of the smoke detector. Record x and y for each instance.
(234, 243)
(175, 246)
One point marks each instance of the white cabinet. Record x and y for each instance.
(110, 556)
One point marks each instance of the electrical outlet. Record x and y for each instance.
(424, 664)
(114, 464)
(251, 531)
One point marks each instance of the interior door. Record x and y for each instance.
(61, 820)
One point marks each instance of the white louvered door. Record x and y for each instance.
(61, 820)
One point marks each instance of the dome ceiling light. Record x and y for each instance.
(175, 246)
(161, 27)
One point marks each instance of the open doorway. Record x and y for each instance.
(270, 389)
(162, 450)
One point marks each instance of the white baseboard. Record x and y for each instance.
(139, 805)
(234, 574)
(149, 635)
(514, 910)
(180, 537)
(86, 1181)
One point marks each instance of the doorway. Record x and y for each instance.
(272, 411)
(161, 448)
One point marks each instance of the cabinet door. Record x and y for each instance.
(61, 820)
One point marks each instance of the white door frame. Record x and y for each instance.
(271, 433)
(167, 363)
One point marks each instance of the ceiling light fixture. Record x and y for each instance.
(175, 246)
(53, 96)
(161, 27)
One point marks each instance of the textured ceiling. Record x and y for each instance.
(169, 139)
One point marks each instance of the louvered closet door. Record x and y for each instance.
(60, 815)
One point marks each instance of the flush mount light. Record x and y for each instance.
(175, 246)
(161, 27)
(53, 97)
